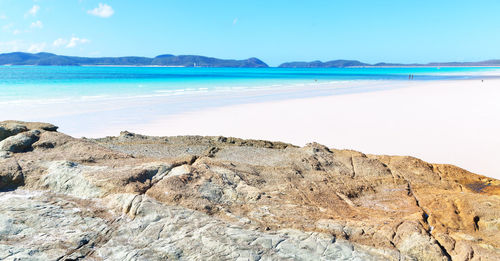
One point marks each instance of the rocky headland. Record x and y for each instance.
(135, 197)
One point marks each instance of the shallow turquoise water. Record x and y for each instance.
(61, 82)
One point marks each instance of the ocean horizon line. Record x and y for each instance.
(188, 60)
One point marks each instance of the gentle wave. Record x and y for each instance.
(45, 85)
(187, 91)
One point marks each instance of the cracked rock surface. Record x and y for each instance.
(134, 197)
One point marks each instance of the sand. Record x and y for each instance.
(455, 122)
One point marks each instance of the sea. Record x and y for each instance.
(48, 84)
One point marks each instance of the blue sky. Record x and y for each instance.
(274, 30)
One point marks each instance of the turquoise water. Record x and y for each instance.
(60, 82)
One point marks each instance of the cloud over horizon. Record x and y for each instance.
(103, 10)
(60, 42)
(36, 47)
(72, 42)
(22, 46)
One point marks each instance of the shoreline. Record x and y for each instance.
(440, 121)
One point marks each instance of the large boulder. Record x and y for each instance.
(11, 175)
(8, 130)
(11, 128)
(21, 142)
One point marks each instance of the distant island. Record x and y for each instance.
(354, 63)
(49, 59)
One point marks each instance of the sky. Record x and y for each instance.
(275, 31)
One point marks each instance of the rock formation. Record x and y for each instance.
(135, 197)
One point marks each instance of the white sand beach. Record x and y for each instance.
(446, 121)
(455, 122)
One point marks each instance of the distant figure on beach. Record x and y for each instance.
(412, 76)
(409, 76)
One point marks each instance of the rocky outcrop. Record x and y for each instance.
(135, 197)
(11, 128)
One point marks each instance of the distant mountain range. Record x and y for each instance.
(320, 64)
(20, 58)
(354, 63)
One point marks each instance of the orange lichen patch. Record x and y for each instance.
(478, 187)
(469, 181)
(484, 187)
(492, 189)
(487, 186)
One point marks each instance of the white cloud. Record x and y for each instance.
(3, 17)
(60, 42)
(74, 41)
(103, 10)
(21, 46)
(37, 24)
(36, 47)
(9, 28)
(33, 11)
(235, 20)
